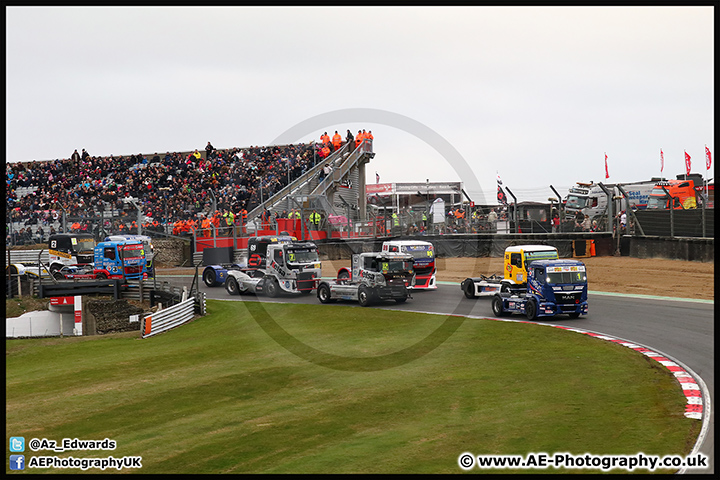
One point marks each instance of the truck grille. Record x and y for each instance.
(567, 298)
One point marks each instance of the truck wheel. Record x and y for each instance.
(401, 300)
(323, 294)
(343, 275)
(101, 276)
(363, 296)
(505, 288)
(497, 306)
(469, 289)
(574, 314)
(272, 288)
(58, 276)
(232, 287)
(209, 277)
(54, 268)
(530, 310)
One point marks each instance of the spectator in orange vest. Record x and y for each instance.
(369, 135)
(358, 139)
(336, 140)
(325, 138)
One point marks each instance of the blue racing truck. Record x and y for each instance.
(553, 287)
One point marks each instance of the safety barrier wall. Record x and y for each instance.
(168, 318)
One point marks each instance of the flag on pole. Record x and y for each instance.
(687, 162)
(501, 198)
(607, 175)
(662, 161)
(708, 158)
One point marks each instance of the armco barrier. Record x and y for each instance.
(168, 318)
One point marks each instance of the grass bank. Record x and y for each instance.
(285, 388)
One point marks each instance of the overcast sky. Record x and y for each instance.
(536, 95)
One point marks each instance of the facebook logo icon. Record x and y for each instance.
(17, 462)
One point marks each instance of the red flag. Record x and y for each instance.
(708, 158)
(687, 163)
(662, 161)
(607, 175)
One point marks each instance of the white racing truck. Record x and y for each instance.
(373, 277)
(289, 267)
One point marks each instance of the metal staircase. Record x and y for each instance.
(342, 191)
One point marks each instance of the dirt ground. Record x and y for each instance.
(645, 276)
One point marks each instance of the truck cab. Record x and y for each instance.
(147, 243)
(515, 273)
(684, 195)
(70, 249)
(424, 255)
(287, 267)
(518, 257)
(120, 259)
(373, 276)
(553, 287)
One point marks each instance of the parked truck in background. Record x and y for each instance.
(553, 287)
(591, 199)
(685, 193)
(515, 268)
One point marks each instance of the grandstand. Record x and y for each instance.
(121, 194)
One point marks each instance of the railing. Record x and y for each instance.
(168, 318)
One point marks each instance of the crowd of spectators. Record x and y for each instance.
(167, 188)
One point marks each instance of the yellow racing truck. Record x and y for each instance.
(514, 275)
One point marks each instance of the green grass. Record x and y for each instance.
(282, 388)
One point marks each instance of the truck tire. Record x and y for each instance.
(469, 288)
(401, 300)
(101, 276)
(574, 314)
(497, 306)
(58, 276)
(323, 294)
(364, 296)
(272, 289)
(232, 287)
(505, 287)
(209, 277)
(343, 275)
(531, 310)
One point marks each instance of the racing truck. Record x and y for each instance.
(215, 275)
(553, 287)
(373, 277)
(424, 254)
(289, 267)
(515, 264)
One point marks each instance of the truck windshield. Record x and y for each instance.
(396, 266)
(575, 201)
(656, 201)
(419, 252)
(543, 255)
(132, 251)
(305, 255)
(566, 277)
